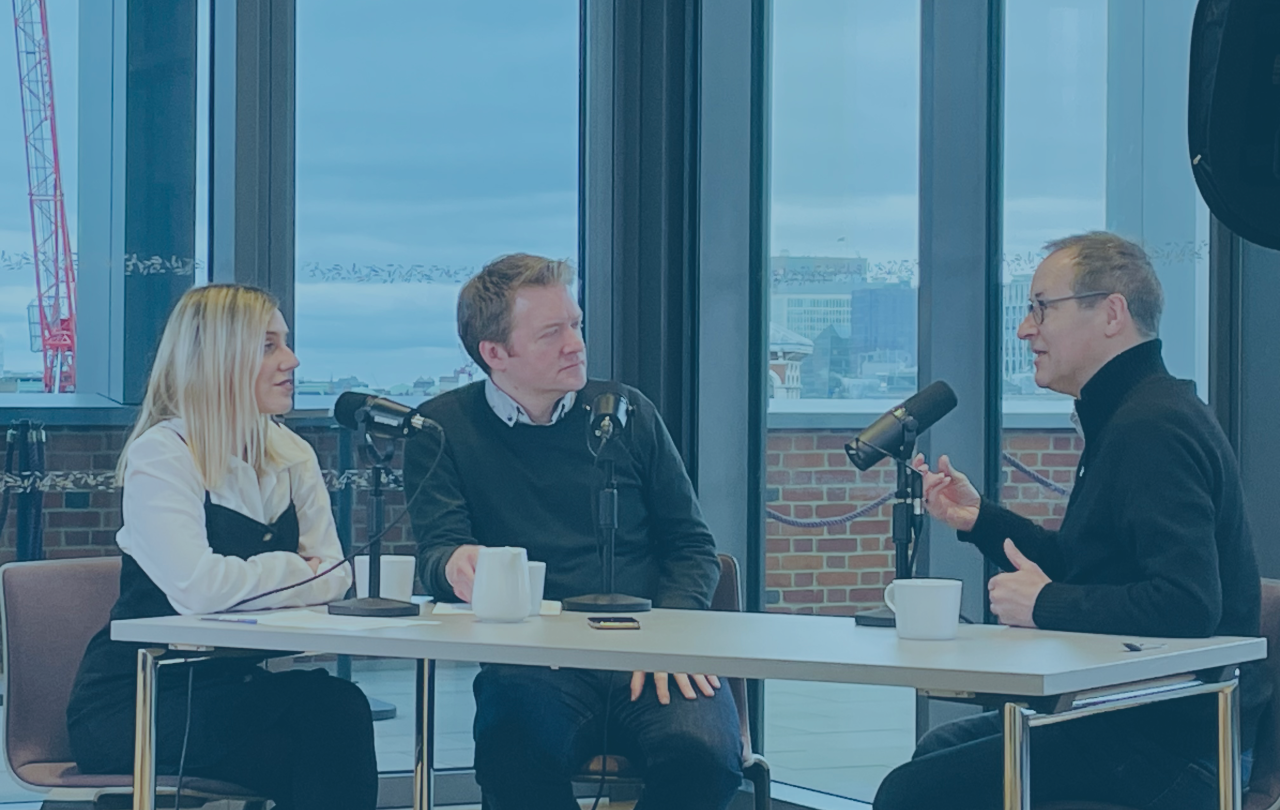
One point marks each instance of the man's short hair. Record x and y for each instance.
(486, 302)
(1108, 263)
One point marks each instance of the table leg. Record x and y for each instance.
(144, 742)
(426, 728)
(1017, 757)
(1229, 787)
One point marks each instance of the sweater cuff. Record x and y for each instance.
(990, 529)
(1055, 609)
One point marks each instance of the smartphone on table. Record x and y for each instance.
(613, 622)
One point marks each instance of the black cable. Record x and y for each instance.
(186, 734)
(347, 559)
(604, 744)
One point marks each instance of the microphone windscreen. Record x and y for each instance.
(344, 410)
(931, 404)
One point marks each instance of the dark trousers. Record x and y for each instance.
(299, 737)
(536, 727)
(1102, 758)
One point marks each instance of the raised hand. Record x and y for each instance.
(948, 495)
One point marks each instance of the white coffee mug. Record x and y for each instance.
(537, 581)
(501, 589)
(926, 609)
(398, 571)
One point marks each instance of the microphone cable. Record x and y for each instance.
(348, 558)
(186, 735)
(604, 744)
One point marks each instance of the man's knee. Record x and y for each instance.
(704, 756)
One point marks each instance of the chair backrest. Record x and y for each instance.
(48, 612)
(1264, 785)
(728, 596)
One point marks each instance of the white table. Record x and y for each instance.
(1042, 677)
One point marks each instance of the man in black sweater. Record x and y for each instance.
(1155, 542)
(516, 470)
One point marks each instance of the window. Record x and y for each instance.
(431, 138)
(450, 140)
(842, 349)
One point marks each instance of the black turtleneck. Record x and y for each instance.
(1155, 541)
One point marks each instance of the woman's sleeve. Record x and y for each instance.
(164, 531)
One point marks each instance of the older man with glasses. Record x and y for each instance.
(1155, 542)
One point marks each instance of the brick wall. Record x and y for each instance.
(844, 568)
(837, 569)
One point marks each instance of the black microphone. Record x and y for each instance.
(608, 414)
(377, 415)
(886, 435)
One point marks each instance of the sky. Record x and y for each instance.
(443, 134)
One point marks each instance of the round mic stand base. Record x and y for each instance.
(607, 603)
(374, 606)
(880, 617)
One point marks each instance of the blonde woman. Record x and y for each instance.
(222, 503)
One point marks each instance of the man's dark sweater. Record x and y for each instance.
(535, 486)
(1155, 540)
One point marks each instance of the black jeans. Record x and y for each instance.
(537, 727)
(960, 765)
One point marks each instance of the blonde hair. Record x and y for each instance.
(204, 374)
(486, 301)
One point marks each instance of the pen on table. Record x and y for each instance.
(228, 619)
(1132, 647)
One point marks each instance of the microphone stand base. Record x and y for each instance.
(607, 603)
(374, 606)
(880, 617)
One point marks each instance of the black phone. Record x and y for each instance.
(613, 622)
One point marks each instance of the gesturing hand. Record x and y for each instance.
(461, 570)
(1013, 595)
(948, 495)
(707, 685)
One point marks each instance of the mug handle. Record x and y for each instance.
(888, 598)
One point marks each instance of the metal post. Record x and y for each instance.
(1017, 757)
(1229, 787)
(144, 743)
(375, 522)
(425, 727)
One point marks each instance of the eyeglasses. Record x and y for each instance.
(1036, 308)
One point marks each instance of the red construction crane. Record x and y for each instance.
(50, 237)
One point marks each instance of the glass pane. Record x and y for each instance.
(449, 142)
(452, 139)
(1095, 139)
(842, 350)
(22, 347)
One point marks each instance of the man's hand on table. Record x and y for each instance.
(1013, 595)
(707, 685)
(460, 570)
